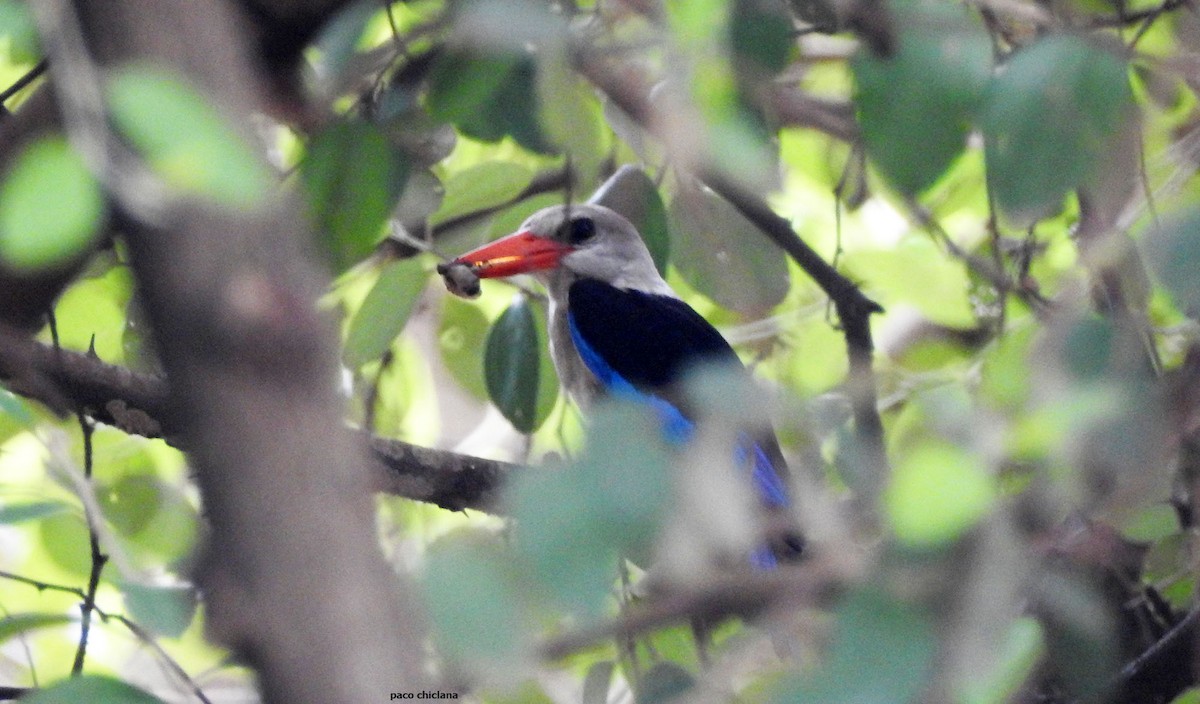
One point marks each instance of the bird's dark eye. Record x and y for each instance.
(580, 230)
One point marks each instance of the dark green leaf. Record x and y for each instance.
(473, 600)
(761, 30)
(353, 178)
(663, 682)
(916, 106)
(165, 611)
(631, 193)
(384, 312)
(723, 255)
(185, 139)
(50, 207)
(20, 623)
(488, 96)
(1047, 120)
(511, 366)
(20, 513)
(93, 689)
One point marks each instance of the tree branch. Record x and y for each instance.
(138, 404)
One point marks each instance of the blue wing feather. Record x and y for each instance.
(637, 343)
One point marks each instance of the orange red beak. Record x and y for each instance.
(518, 253)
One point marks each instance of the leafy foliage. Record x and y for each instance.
(991, 180)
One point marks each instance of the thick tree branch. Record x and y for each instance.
(293, 576)
(138, 404)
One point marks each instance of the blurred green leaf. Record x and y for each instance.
(1188, 696)
(882, 653)
(353, 179)
(937, 491)
(511, 366)
(1047, 119)
(163, 610)
(569, 112)
(385, 311)
(93, 689)
(185, 139)
(474, 602)
(17, 624)
(486, 185)
(631, 193)
(1020, 653)
(462, 334)
(1150, 523)
(597, 682)
(488, 96)
(20, 513)
(723, 255)
(17, 25)
(51, 208)
(15, 408)
(573, 524)
(761, 31)
(64, 538)
(1172, 252)
(662, 683)
(916, 106)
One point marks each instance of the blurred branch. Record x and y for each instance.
(814, 583)
(138, 404)
(230, 294)
(28, 77)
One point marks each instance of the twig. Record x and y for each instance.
(815, 582)
(99, 559)
(29, 77)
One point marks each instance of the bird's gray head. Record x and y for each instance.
(566, 242)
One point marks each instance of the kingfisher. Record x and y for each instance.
(617, 328)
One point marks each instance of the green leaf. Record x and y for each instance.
(1048, 119)
(1172, 252)
(162, 610)
(597, 682)
(663, 683)
(631, 193)
(486, 185)
(94, 689)
(724, 256)
(20, 513)
(385, 311)
(462, 334)
(20, 623)
(937, 491)
(473, 599)
(15, 408)
(882, 653)
(1021, 650)
(353, 179)
(572, 524)
(511, 366)
(916, 106)
(185, 140)
(17, 25)
(569, 112)
(50, 207)
(488, 96)
(761, 31)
